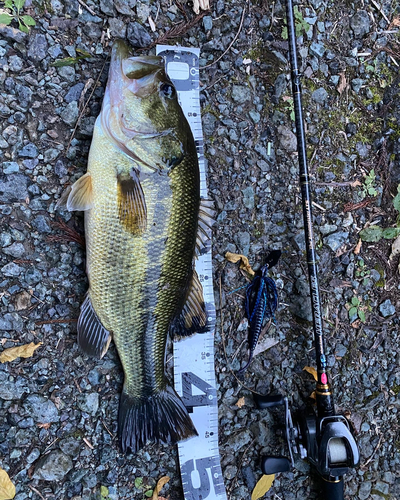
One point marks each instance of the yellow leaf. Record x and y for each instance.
(240, 403)
(7, 489)
(21, 351)
(244, 264)
(313, 371)
(263, 485)
(163, 480)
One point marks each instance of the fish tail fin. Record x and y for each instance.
(158, 418)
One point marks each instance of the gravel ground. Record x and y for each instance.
(59, 408)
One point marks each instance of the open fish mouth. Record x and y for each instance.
(140, 74)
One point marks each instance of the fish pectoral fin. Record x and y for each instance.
(193, 318)
(93, 337)
(132, 208)
(206, 221)
(81, 194)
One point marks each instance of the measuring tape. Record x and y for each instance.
(194, 374)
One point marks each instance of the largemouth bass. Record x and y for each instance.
(141, 197)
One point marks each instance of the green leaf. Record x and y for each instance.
(28, 20)
(361, 315)
(391, 232)
(371, 234)
(284, 34)
(148, 493)
(138, 482)
(67, 61)
(83, 53)
(103, 491)
(6, 18)
(19, 4)
(8, 4)
(23, 28)
(372, 191)
(355, 301)
(352, 312)
(396, 201)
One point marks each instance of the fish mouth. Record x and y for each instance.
(140, 74)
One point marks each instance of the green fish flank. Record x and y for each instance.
(141, 196)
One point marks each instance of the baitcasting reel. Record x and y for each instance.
(327, 443)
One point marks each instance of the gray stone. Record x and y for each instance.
(74, 93)
(16, 250)
(86, 126)
(300, 241)
(137, 35)
(11, 270)
(32, 276)
(387, 308)
(360, 23)
(125, 7)
(382, 488)
(301, 307)
(287, 139)
(71, 446)
(356, 84)
(362, 149)
(340, 350)
(142, 11)
(70, 114)
(255, 116)
(12, 388)
(208, 121)
(320, 96)
(364, 490)
(117, 27)
(106, 7)
(33, 456)
(15, 63)
(14, 320)
(317, 49)
(13, 34)
(60, 169)
(37, 48)
(55, 51)
(280, 85)
(42, 410)
(335, 240)
(328, 228)
(248, 197)
(53, 467)
(67, 73)
(10, 167)
(5, 239)
(50, 155)
(241, 94)
(28, 151)
(239, 440)
(207, 23)
(40, 224)
(13, 188)
(89, 403)
(242, 240)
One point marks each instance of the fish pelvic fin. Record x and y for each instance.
(204, 229)
(193, 317)
(131, 203)
(93, 337)
(160, 418)
(81, 195)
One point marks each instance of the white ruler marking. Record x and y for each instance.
(194, 373)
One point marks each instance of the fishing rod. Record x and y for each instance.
(322, 436)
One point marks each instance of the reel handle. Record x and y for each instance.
(274, 464)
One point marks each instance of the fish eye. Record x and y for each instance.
(168, 90)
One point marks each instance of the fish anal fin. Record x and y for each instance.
(132, 208)
(93, 337)
(206, 221)
(81, 194)
(193, 317)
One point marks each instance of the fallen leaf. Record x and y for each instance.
(342, 83)
(160, 483)
(201, 4)
(241, 402)
(152, 24)
(23, 301)
(313, 371)
(7, 489)
(313, 395)
(21, 351)
(244, 264)
(264, 344)
(395, 248)
(358, 247)
(395, 22)
(44, 426)
(263, 485)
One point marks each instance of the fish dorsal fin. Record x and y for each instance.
(81, 194)
(132, 208)
(193, 318)
(93, 337)
(206, 221)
